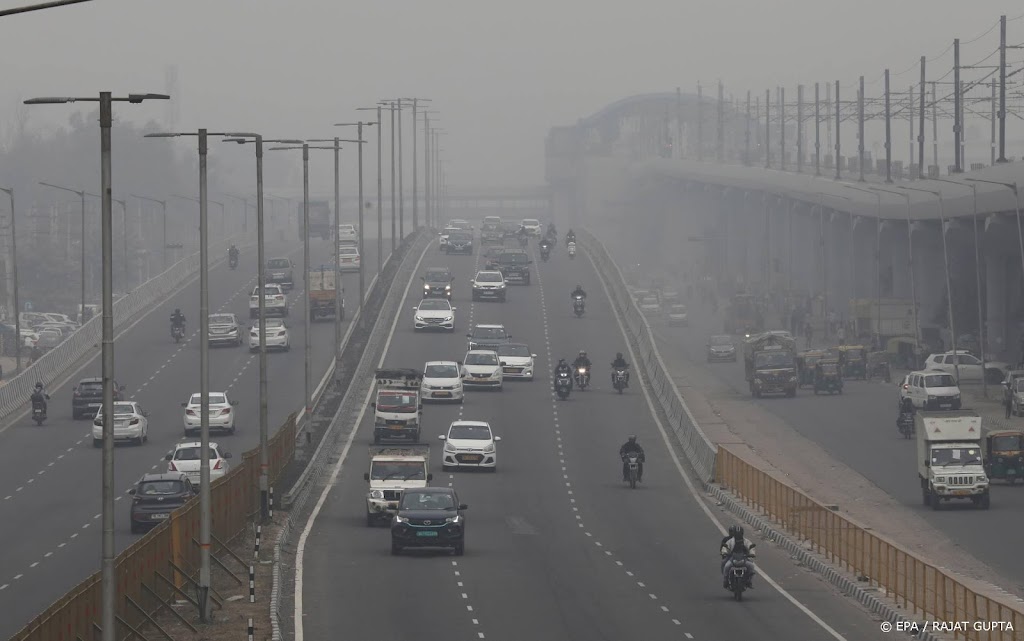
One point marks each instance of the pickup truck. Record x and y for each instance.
(397, 407)
(393, 470)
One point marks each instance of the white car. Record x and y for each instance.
(224, 329)
(969, 366)
(434, 313)
(185, 460)
(222, 413)
(650, 306)
(277, 335)
(516, 360)
(442, 381)
(469, 444)
(274, 301)
(532, 226)
(442, 239)
(347, 234)
(931, 390)
(131, 423)
(348, 258)
(481, 368)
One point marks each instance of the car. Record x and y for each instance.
(968, 366)
(224, 330)
(677, 316)
(487, 337)
(429, 517)
(279, 271)
(459, 242)
(131, 423)
(491, 232)
(49, 338)
(222, 413)
(469, 444)
(274, 301)
(437, 283)
(442, 381)
(509, 229)
(488, 285)
(514, 265)
(532, 226)
(516, 360)
(481, 368)
(650, 306)
(348, 258)
(490, 255)
(434, 313)
(462, 224)
(277, 335)
(155, 496)
(442, 238)
(87, 397)
(184, 459)
(670, 296)
(347, 234)
(721, 348)
(930, 390)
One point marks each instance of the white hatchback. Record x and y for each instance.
(185, 459)
(442, 381)
(347, 233)
(131, 423)
(516, 360)
(470, 444)
(222, 413)
(277, 335)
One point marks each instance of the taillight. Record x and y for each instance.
(278, 297)
(134, 421)
(217, 466)
(905, 387)
(226, 410)
(171, 468)
(190, 412)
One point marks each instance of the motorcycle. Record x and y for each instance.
(233, 262)
(563, 385)
(905, 424)
(619, 380)
(572, 250)
(739, 575)
(545, 253)
(38, 412)
(177, 333)
(632, 461)
(578, 306)
(582, 378)
(570, 240)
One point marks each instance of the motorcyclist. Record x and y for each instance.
(570, 237)
(620, 363)
(551, 229)
(39, 397)
(629, 447)
(906, 416)
(736, 542)
(578, 292)
(177, 319)
(582, 360)
(563, 368)
(233, 252)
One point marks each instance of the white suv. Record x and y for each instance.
(968, 365)
(274, 300)
(931, 390)
(489, 284)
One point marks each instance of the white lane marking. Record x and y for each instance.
(34, 564)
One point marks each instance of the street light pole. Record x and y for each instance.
(1012, 186)
(394, 231)
(81, 194)
(13, 283)
(124, 241)
(415, 196)
(910, 263)
(380, 189)
(163, 204)
(108, 580)
(362, 266)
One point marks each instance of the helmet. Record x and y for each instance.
(583, 353)
(177, 310)
(734, 529)
(39, 386)
(561, 361)
(632, 438)
(618, 356)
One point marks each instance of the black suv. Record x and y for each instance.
(514, 265)
(459, 243)
(87, 397)
(155, 496)
(437, 283)
(429, 517)
(279, 270)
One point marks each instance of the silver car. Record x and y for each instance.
(224, 330)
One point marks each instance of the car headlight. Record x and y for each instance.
(448, 319)
(418, 318)
(759, 381)
(453, 519)
(940, 479)
(982, 479)
(426, 287)
(377, 494)
(490, 448)
(501, 286)
(447, 287)
(792, 379)
(401, 519)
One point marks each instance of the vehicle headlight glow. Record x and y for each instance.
(448, 447)
(401, 519)
(426, 287)
(453, 519)
(501, 286)
(447, 287)
(377, 494)
(490, 448)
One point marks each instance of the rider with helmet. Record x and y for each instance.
(177, 318)
(562, 368)
(570, 237)
(629, 447)
(582, 360)
(39, 397)
(731, 544)
(578, 293)
(620, 363)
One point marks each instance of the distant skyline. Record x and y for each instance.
(501, 75)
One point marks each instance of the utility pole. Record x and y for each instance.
(958, 168)
(838, 127)
(782, 128)
(1002, 89)
(993, 121)
(700, 123)
(817, 130)
(394, 205)
(426, 170)
(935, 127)
(721, 122)
(888, 131)
(401, 183)
(860, 130)
(799, 129)
(415, 192)
(920, 127)
(746, 136)
(767, 129)
(679, 121)
(910, 124)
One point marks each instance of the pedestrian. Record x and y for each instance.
(841, 335)
(808, 331)
(1008, 401)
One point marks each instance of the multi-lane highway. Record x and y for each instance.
(50, 475)
(557, 547)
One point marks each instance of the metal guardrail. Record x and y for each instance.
(15, 394)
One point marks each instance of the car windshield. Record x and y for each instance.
(939, 380)
(268, 290)
(91, 386)
(721, 340)
(434, 305)
(123, 408)
(1008, 443)
(348, 251)
(449, 230)
(488, 332)
(441, 371)
(510, 257)
(271, 323)
(490, 226)
(460, 237)
(346, 228)
(222, 319)
(396, 402)
(1018, 385)
(488, 278)
(215, 399)
(484, 358)
(492, 220)
(192, 452)
(470, 432)
(679, 309)
(402, 470)
(438, 275)
(943, 457)
(771, 360)
(531, 222)
(427, 501)
(514, 350)
(462, 224)
(279, 263)
(160, 488)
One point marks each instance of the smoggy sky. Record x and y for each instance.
(499, 73)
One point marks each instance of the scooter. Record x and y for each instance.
(563, 385)
(632, 461)
(578, 306)
(38, 413)
(619, 380)
(572, 250)
(582, 378)
(233, 262)
(177, 333)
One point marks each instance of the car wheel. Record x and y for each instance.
(288, 347)
(492, 470)
(97, 442)
(284, 312)
(140, 440)
(188, 432)
(252, 314)
(460, 549)
(446, 468)
(395, 549)
(231, 430)
(253, 350)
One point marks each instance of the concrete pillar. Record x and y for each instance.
(931, 289)
(996, 297)
(899, 252)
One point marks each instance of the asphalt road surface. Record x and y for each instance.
(50, 499)
(557, 547)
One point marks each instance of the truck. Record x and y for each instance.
(887, 317)
(397, 407)
(950, 461)
(770, 364)
(320, 219)
(393, 470)
(743, 315)
(323, 292)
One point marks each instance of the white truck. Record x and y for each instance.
(393, 470)
(950, 464)
(397, 407)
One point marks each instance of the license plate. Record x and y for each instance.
(427, 533)
(159, 517)
(961, 492)
(443, 394)
(94, 404)
(396, 427)
(471, 457)
(946, 406)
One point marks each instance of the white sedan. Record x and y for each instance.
(470, 444)
(131, 423)
(442, 382)
(434, 313)
(516, 360)
(277, 335)
(481, 368)
(348, 258)
(347, 233)
(222, 413)
(185, 459)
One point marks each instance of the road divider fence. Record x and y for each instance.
(919, 588)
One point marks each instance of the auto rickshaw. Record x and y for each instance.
(905, 352)
(854, 361)
(827, 377)
(878, 366)
(805, 362)
(1004, 455)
